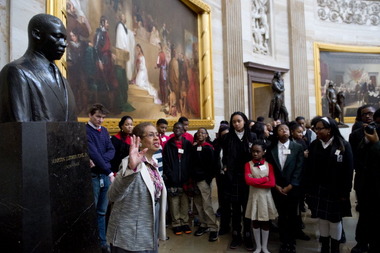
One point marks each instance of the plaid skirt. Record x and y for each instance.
(325, 205)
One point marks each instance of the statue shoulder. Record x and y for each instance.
(18, 71)
(14, 67)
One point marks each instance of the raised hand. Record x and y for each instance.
(135, 156)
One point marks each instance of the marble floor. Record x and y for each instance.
(188, 243)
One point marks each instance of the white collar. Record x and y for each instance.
(93, 126)
(326, 144)
(286, 144)
(239, 134)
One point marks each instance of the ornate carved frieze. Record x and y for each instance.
(350, 11)
(260, 26)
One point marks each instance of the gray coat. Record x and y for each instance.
(131, 224)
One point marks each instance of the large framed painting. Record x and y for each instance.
(147, 59)
(353, 73)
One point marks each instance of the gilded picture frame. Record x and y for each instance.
(201, 41)
(354, 73)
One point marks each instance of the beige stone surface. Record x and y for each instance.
(4, 35)
(20, 14)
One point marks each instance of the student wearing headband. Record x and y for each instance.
(328, 181)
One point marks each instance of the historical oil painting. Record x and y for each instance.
(136, 57)
(353, 73)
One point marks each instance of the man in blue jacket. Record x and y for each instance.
(101, 152)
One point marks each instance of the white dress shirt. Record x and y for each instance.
(283, 152)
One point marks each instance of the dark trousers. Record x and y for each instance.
(373, 229)
(238, 215)
(287, 208)
(224, 203)
(364, 220)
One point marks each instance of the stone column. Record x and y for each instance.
(4, 32)
(298, 60)
(233, 57)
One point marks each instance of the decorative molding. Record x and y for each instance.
(349, 11)
(260, 26)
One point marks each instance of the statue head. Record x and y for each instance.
(277, 74)
(47, 35)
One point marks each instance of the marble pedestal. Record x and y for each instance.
(46, 197)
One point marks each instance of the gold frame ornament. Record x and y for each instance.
(206, 98)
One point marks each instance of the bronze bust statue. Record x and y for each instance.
(277, 109)
(31, 87)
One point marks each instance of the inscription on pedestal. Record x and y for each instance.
(46, 196)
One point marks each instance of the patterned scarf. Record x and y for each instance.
(156, 179)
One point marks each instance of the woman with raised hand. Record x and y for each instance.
(137, 219)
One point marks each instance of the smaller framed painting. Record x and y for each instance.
(350, 71)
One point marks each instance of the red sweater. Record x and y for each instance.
(260, 182)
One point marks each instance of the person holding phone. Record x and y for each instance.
(361, 234)
(368, 153)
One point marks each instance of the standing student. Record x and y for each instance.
(361, 234)
(261, 209)
(203, 171)
(297, 136)
(308, 135)
(287, 159)
(328, 179)
(176, 161)
(369, 152)
(261, 131)
(224, 210)
(101, 152)
(161, 127)
(185, 122)
(236, 152)
(122, 141)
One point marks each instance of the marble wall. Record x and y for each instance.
(217, 59)
(20, 12)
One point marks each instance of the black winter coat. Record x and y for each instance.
(202, 163)
(176, 170)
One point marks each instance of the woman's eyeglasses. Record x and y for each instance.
(151, 135)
